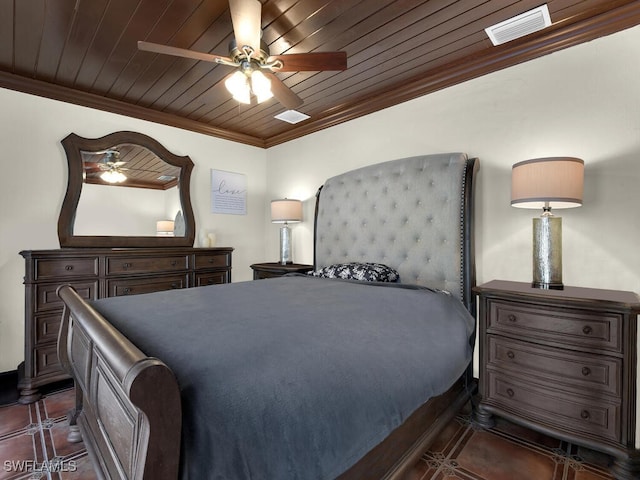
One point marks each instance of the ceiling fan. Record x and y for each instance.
(255, 65)
(108, 168)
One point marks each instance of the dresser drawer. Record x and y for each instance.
(213, 278)
(559, 410)
(118, 265)
(212, 260)
(46, 360)
(47, 327)
(47, 299)
(54, 268)
(119, 287)
(562, 326)
(581, 372)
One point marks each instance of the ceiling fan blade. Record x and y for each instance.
(247, 21)
(91, 167)
(180, 52)
(283, 94)
(308, 62)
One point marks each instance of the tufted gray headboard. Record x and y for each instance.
(413, 214)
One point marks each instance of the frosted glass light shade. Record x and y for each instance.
(113, 176)
(238, 85)
(261, 86)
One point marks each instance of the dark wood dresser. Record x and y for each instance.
(99, 273)
(562, 362)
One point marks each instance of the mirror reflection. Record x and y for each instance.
(125, 190)
(148, 205)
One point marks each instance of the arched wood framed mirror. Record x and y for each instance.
(124, 189)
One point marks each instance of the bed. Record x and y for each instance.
(300, 376)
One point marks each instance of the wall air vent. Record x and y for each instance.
(519, 26)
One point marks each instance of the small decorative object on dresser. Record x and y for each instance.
(562, 362)
(276, 269)
(100, 273)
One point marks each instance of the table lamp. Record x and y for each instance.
(553, 182)
(286, 211)
(164, 228)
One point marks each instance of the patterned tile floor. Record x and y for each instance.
(506, 452)
(35, 435)
(33, 442)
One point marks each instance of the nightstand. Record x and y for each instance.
(562, 362)
(276, 269)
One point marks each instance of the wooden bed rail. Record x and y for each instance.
(123, 426)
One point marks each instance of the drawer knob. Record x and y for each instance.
(512, 318)
(510, 354)
(126, 290)
(585, 414)
(587, 330)
(174, 285)
(68, 267)
(173, 263)
(210, 260)
(126, 265)
(510, 392)
(586, 371)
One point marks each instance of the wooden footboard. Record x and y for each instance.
(130, 412)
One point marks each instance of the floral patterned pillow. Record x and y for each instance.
(372, 272)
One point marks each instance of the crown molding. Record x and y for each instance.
(571, 32)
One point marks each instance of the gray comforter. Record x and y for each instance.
(296, 377)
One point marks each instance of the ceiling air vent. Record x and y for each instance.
(519, 26)
(292, 116)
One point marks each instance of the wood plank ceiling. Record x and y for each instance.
(85, 52)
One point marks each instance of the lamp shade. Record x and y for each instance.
(555, 182)
(286, 211)
(164, 226)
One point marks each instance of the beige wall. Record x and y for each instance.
(583, 102)
(34, 179)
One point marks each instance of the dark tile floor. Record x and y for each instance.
(33, 442)
(33, 435)
(506, 452)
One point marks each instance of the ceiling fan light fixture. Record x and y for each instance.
(238, 85)
(249, 53)
(261, 86)
(113, 176)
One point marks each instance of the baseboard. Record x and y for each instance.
(8, 387)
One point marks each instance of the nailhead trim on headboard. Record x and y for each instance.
(399, 213)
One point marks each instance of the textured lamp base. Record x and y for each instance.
(285, 245)
(547, 252)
